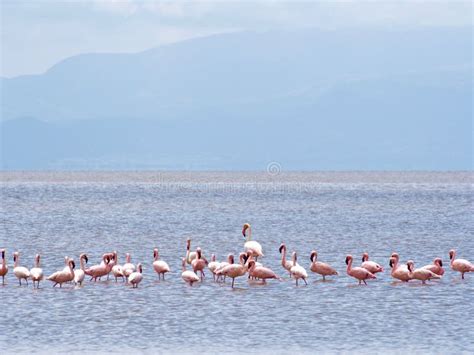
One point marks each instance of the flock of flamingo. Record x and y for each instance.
(248, 264)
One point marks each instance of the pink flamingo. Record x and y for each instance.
(371, 266)
(319, 267)
(136, 277)
(399, 272)
(358, 273)
(3, 266)
(222, 265)
(97, 271)
(188, 276)
(287, 264)
(436, 267)
(261, 272)
(236, 270)
(420, 274)
(199, 263)
(461, 265)
(60, 277)
(160, 266)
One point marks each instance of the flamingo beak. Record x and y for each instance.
(347, 260)
(390, 263)
(441, 263)
(86, 259)
(280, 249)
(14, 258)
(3, 254)
(73, 264)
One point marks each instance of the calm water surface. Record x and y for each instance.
(420, 215)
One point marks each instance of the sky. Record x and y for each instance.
(37, 34)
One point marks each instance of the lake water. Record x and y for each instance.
(419, 215)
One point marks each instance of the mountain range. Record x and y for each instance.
(309, 99)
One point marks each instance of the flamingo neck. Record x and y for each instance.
(17, 261)
(81, 261)
(452, 259)
(395, 264)
(248, 235)
(349, 265)
(283, 257)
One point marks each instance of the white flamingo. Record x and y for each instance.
(21, 272)
(251, 245)
(297, 271)
(36, 273)
(188, 276)
(136, 277)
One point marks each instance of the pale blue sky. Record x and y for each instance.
(37, 34)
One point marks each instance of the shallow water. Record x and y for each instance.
(420, 215)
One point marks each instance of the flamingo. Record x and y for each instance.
(20, 272)
(250, 245)
(97, 271)
(420, 274)
(136, 277)
(399, 272)
(80, 274)
(436, 267)
(36, 272)
(117, 269)
(287, 264)
(222, 265)
(188, 276)
(461, 265)
(213, 266)
(112, 262)
(199, 263)
(320, 267)
(3, 266)
(261, 272)
(235, 270)
(371, 266)
(190, 255)
(297, 271)
(358, 273)
(128, 267)
(160, 266)
(60, 277)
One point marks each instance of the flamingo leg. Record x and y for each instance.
(365, 282)
(304, 279)
(233, 282)
(296, 281)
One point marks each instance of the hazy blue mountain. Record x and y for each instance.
(307, 99)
